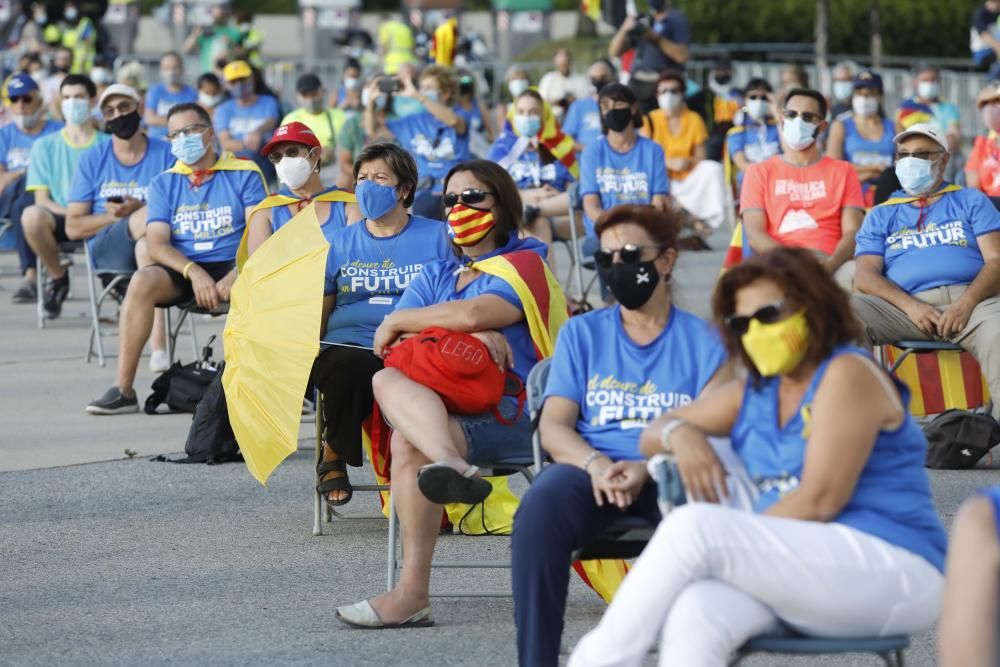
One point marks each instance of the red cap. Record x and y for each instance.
(295, 132)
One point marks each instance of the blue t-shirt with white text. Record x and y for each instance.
(206, 223)
(15, 145)
(100, 175)
(368, 274)
(527, 170)
(435, 146)
(160, 99)
(583, 121)
(943, 251)
(622, 178)
(240, 121)
(620, 385)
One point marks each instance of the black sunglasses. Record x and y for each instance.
(27, 99)
(920, 155)
(628, 254)
(469, 197)
(768, 314)
(807, 116)
(756, 97)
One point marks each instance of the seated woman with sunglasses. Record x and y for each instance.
(755, 138)
(614, 370)
(368, 267)
(295, 152)
(433, 452)
(818, 518)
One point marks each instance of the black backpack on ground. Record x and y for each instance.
(958, 439)
(181, 387)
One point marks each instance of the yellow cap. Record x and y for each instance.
(238, 69)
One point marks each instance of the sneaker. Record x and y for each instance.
(114, 402)
(55, 294)
(159, 361)
(26, 293)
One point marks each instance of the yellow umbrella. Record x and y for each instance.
(271, 339)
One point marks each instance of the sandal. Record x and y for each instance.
(442, 484)
(340, 483)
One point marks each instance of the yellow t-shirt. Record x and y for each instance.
(325, 124)
(692, 134)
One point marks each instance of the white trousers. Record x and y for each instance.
(702, 193)
(714, 576)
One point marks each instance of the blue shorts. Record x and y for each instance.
(491, 441)
(112, 249)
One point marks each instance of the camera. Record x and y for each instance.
(643, 24)
(388, 85)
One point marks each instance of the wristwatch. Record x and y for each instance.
(665, 432)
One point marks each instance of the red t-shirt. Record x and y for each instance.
(985, 161)
(802, 205)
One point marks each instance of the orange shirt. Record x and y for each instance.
(985, 161)
(802, 205)
(692, 134)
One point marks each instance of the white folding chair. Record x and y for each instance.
(116, 281)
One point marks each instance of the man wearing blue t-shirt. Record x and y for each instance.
(660, 41)
(197, 214)
(245, 122)
(583, 119)
(170, 91)
(928, 260)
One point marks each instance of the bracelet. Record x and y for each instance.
(184, 271)
(669, 428)
(593, 456)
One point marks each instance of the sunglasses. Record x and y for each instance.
(197, 128)
(807, 116)
(113, 111)
(274, 157)
(675, 91)
(920, 155)
(768, 314)
(757, 97)
(469, 197)
(27, 99)
(628, 254)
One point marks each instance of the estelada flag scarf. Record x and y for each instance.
(561, 145)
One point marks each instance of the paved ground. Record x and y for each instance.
(111, 561)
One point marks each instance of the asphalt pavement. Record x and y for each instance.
(110, 558)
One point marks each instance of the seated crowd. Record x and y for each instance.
(436, 220)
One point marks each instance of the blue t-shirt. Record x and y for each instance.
(756, 141)
(862, 152)
(337, 218)
(15, 145)
(100, 175)
(944, 251)
(206, 223)
(622, 178)
(527, 170)
(473, 118)
(241, 121)
(676, 27)
(369, 273)
(437, 284)
(583, 121)
(620, 385)
(435, 146)
(892, 498)
(160, 99)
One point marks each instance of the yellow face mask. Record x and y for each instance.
(778, 348)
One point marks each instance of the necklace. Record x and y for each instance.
(387, 257)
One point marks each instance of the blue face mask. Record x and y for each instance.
(431, 95)
(406, 106)
(375, 199)
(915, 175)
(527, 126)
(188, 149)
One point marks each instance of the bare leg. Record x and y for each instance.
(158, 337)
(39, 231)
(148, 287)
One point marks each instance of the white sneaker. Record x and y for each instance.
(159, 361)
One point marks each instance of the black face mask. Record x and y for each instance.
(598, 84)
(617, 120)
(723, 79)
(124, 127)
(632, 284)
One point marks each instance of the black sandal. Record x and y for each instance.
(342, 483)
(442, 484)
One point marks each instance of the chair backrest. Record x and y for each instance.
(535, 388)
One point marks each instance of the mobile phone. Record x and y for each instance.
(116, 199)
(387, 85)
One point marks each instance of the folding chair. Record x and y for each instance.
(920, 347)
(116, 280)
(188, 308)
(66, 247)
(890, 649)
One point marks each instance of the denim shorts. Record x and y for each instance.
(491, 441)
(112, 248)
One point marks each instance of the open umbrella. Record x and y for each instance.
(271, 339)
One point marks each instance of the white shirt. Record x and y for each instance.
(554, 86)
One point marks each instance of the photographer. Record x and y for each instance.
(660, 40)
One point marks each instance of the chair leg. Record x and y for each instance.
(95, 313)
(195, 352)
(390, 579)
(170, 339)
(318, 503)
(40, 282)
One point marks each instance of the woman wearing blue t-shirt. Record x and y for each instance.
(614, 370)
(368, 267)
(755, 137)
(818, 518)
(431, 449)
(438, 137)
(863, 137)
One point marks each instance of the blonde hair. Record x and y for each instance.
(446, 78)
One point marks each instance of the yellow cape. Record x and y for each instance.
(895, 201)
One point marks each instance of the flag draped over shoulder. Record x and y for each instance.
(271, 340)
(561, 145)
(445, 42)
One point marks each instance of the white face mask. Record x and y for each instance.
(669, 101)
(798, 134)
(75, 111)
(517, 86)
(294, 171)
(864, 106)
(209, 101)
(842, 89)
(350, 83)
(928, 90)
(757, 109)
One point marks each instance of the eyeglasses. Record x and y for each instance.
(628, 254)
(190, 130)
(27, 99)
(469, 197)
(120, 109)
(768, 314)
(292, 151)
(676, 91)
(920, 155)
(807, 116)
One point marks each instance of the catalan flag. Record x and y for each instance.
(939, 381)
(445, 42)
(469, 225)
(738, 249)
(561, 145)
(592, 9)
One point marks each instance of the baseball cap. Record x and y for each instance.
(308, 83)
(867, 78)
(118, 90)
(20, 84)
(987, 95)
(238, 69)
(925, 130)
(295, 132)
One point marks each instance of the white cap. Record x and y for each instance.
(924, 130)
(118, 90)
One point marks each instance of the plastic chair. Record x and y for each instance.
(920, 347)
(890, 649)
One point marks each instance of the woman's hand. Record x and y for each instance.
(500, 350)
(625, 480)
(701, 472)
(373, 91)
(385, 336)
(408, 89)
